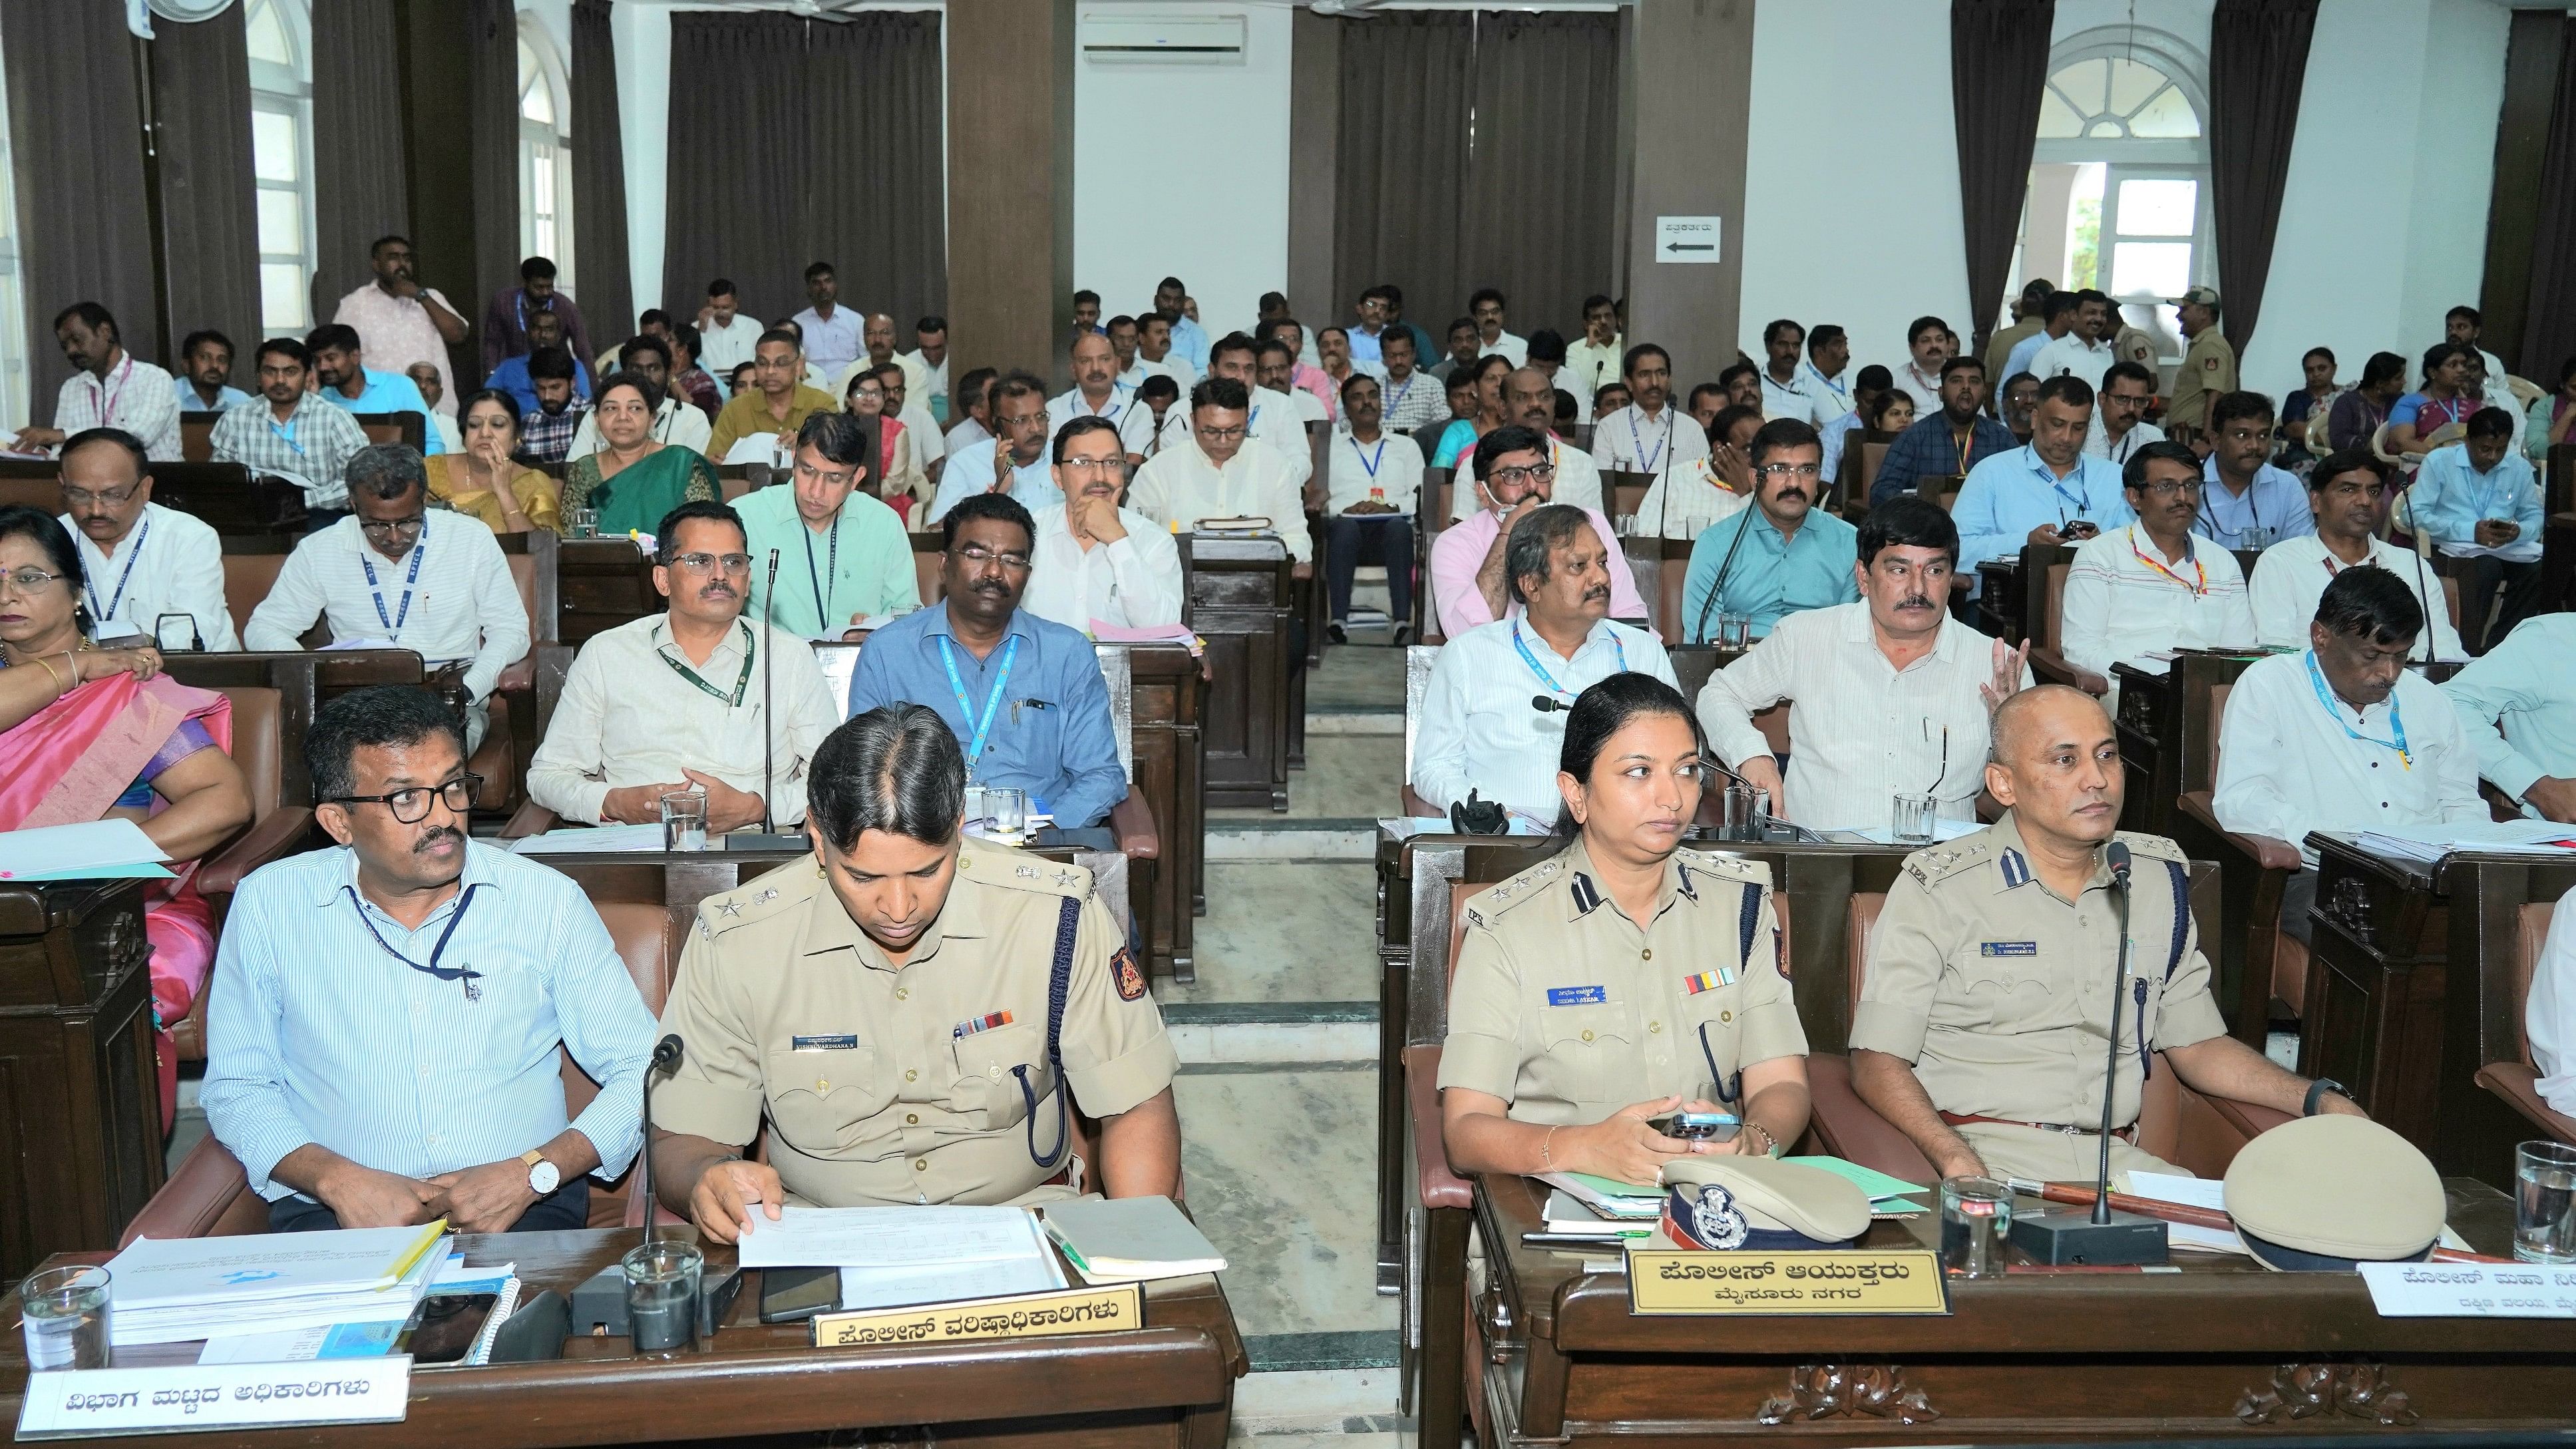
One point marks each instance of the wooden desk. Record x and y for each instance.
(1240, 598)
(1999, 600)
(2384, 1015)
(600, 583)
(2081, 1357)
(2167, 735)
(1167, 694)
(80, 1102)
(1168, 1384)
(304, 682)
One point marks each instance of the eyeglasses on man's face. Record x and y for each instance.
(393, 527)
(1096, 467)
(976, 557)
(102, 498)
(1517, 477)
(707, 563)
(410, 807)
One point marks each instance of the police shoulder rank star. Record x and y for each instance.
(730, 908)
(1131, 977)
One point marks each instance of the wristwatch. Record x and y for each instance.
(543, 1176)
(2317, 1091)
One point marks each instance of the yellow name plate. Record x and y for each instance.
(1666, 1282)
(1115, 1308)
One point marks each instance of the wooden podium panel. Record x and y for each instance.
(1240, 597)
(601, 583)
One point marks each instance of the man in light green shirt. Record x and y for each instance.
(843, 556)
(2518, 704)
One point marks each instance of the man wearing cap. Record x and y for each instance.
(2208, 368)
(1979, 1033)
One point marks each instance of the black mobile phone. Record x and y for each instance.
(445, 1326)
(792, 1295)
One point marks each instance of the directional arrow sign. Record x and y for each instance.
(1687, 239)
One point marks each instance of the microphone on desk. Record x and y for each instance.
(666, 1058)
(2101, 1237)
(768, 714)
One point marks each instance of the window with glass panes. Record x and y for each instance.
(545, 154)
(281, 145)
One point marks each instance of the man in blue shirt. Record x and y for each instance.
(545, 329)
(387, 1015)
(2480, 502)
(345, 381)
(1780, 555)
(1023, 694)
(1189, 339)
(204, 379)
(2048, 491)
(1949, 443)
(2245, 502)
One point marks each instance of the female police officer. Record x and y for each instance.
(1599, 988)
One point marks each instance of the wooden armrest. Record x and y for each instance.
(1439, 1187)
(2052, 668)
(1852, 1130)
(2270, 852)
(279, 836)
(2520, 1087)
(208, 1195)
(1132, 820)
(530, 818)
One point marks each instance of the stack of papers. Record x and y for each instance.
(377, 1337)
(1130, 1240)
(1616, 1201)
(575, 839)
(113, 849)
(2429, 843)
(1567, 1215)
(894, 1257)
(182, 1289)
(1889, 1197)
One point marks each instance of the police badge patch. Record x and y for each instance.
(1716, 1222)
(1131, 977)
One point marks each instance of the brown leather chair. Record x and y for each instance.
(926, 557)
(276, 830)
(197, 437)
(2517, 1081)
(2273, 985)
(511, 739)
(2048, 661)
(2196, 1132)
(248, 578)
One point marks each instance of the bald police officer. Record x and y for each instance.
(1623, 977)
(887, 1012)
(1980, 1028)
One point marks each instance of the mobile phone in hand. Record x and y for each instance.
(1699, 1126)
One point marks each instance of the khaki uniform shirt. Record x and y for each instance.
(1564, 1009)
(746, 415)
(872, 1097)
(1998, 990)
(1999, 347)
(2208, 370)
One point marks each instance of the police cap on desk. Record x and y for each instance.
(2321, 1194)
(1760, 1204)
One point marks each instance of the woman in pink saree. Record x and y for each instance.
(86, 733)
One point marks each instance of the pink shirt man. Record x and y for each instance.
(1460, 550)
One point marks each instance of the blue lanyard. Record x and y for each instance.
(1637, 445)
(1367, 460)
(992, 701)
(117, 600)
(1541, 671)
(1401, 393)
(2396, 720)
(394, 625)
(287, 433)
(2083, 501)
(1831, 386)
(466, 974)
(831, 574)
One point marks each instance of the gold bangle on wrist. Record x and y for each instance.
(48, 666)
(1543, 1159)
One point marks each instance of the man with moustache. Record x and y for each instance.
(383, 1045)
(666, 704)
(1529, 400)
(1094, 559)
(1779, 556)
(108, 507)
(1470, 565)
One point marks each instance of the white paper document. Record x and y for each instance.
(180, 1289)
(581, 839)
(63, 851)
(888, 1237)
(2199, 1192)
(948, 1282)
(2472, 1290)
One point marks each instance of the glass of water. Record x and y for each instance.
(583, 522)
(684, 821)
(2544, 1202)
(1910, 818)
(662, 1296)
(1976, 1224)
(1734, 631)
(1747, 806)
(978, 810)
(1010, 809)
(66, 1313)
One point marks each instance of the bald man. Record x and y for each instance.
(1980, 1027)
(876, 337)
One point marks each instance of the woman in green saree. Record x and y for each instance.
(633, 480)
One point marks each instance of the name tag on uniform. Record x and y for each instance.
(2008, 948)
(823, 1043)
(1577, 995)
(1708, 980)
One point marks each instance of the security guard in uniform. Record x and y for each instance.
(1980, 1029)
(1622, 978)
(2208, 369)
(907, 1012)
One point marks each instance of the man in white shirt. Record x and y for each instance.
(833, 335)
(1828, 360)
(2549, 1011)
(2153, 584)
(1274, 366)
(2347, 498)
(1093, 559)
(175, 598)
(396, 577)
(1785, 390)
(925, 368)
(2518, 702)
(1486, 308)
(2058, 310)
(2343, 736)
(1097, 393)
(2116, 430)
(876, 338)
(1593, 358)
(1015, 463)
(1686, 501)
(970, 409)
(1480, 732)
(921, 437)
(1154, 353)
(675, 423)
(1212, 472)
(109, 388)
(1927, 343)
(1530, 402)
(674, 703)
(1273, 420)
(1888, 696)
(726, 337)
(1648, 435)
(2084, 352)
(1372, 479)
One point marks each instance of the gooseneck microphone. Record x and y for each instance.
(2117, 856)
(666, 1058)
(768, 712)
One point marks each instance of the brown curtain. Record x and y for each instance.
(1540, 208)
(876, 208)
(209, 205)
(361, 185)
(598, 178)
(1408, 82)
(2258, 62)
(734, 208)
(2549, 327)
(74, 114)
(492, 77)
(1998, 65)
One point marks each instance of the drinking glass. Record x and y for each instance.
(662, 1296)
(583, 522)
(1747, 806)
(66, 1313)
(1976, 1224)
(2544, 1202)
(2257, 537)
(1010, 808)
(684, 821)
(1910, 818)
(978, 810)
(1734, 631)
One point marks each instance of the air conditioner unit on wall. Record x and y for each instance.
(1155, 40)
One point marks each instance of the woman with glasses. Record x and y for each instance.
(633, 479)
(87, 733)
(484, 478)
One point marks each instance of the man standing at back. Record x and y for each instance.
(727, 335)
(832, 332)
(2085, 351)
(401, 322)
(505, 321)
(2208, 369)
(1593, 358)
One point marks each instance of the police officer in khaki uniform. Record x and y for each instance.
(2208, 368)
(1979, 1032)
(886, 1010)
(1623, 978)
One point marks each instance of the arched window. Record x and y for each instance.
(2119, 178)
(279, 34)
(545, 151)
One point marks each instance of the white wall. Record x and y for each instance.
(1182, 170)
(1851, 206)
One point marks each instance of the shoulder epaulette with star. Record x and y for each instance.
(1484, 906)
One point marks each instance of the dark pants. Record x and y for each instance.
(1388, 539)
(566, 1208)
(318, 519)
(2298, 893)
(2520, 583)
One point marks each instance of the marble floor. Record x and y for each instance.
(1285, 930)
(1347, 777)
